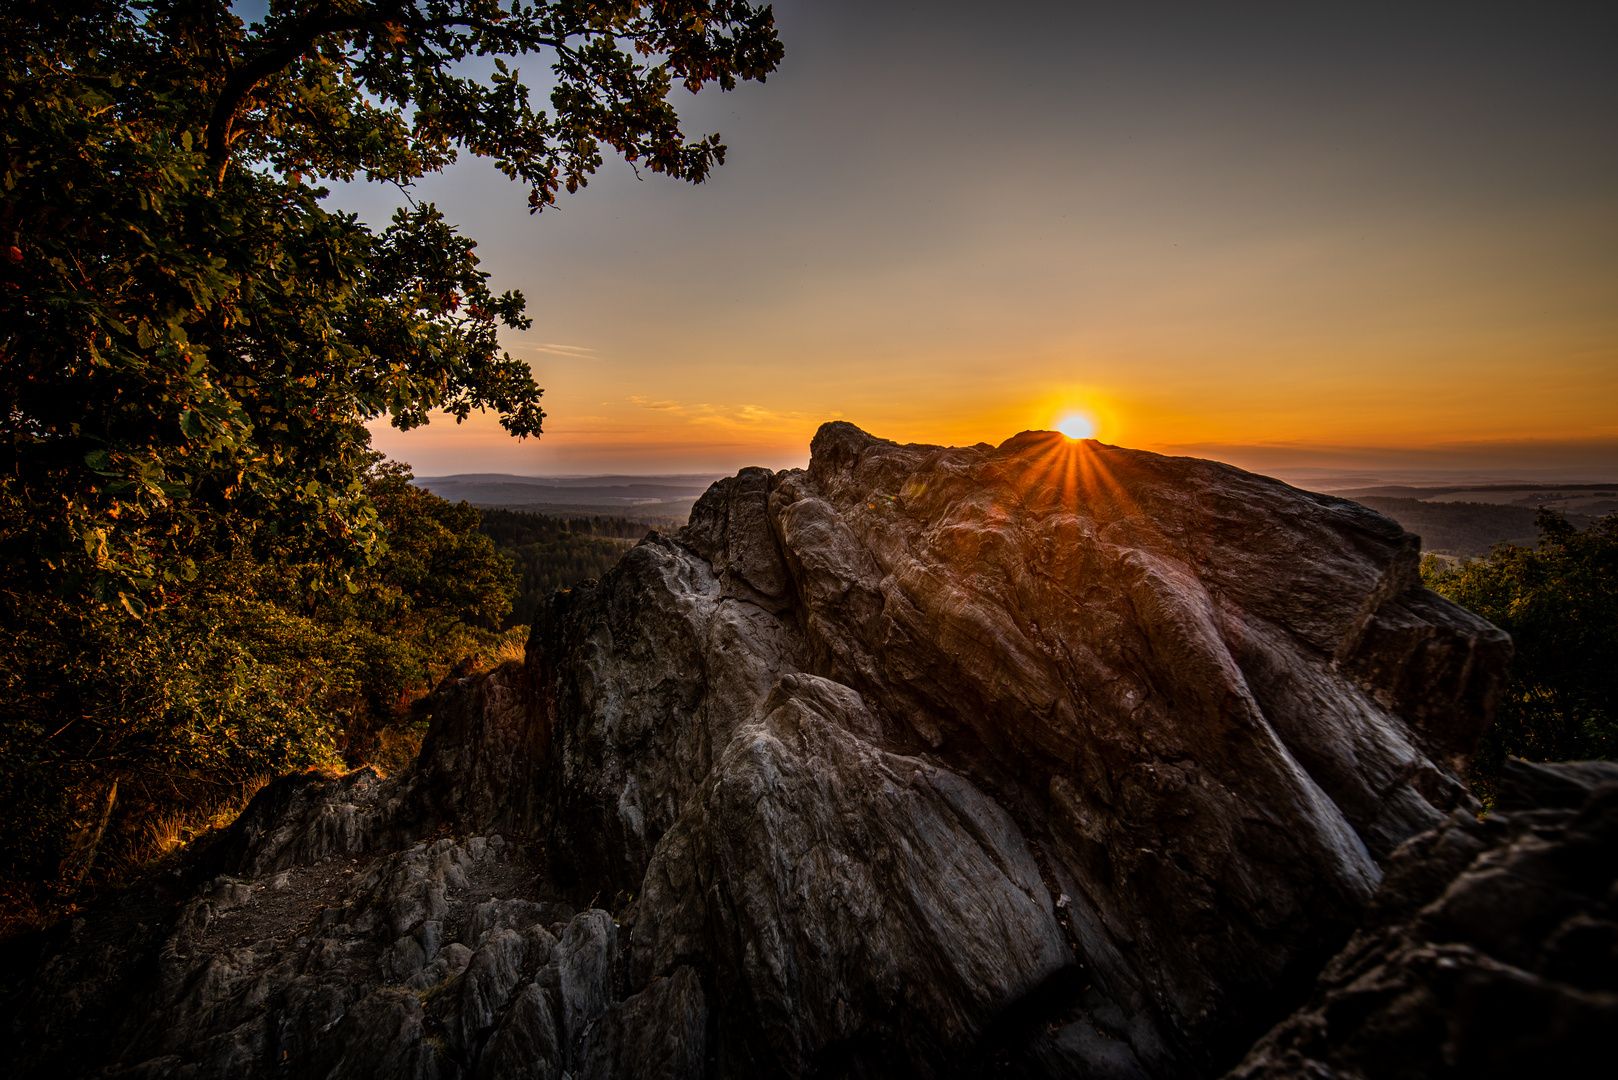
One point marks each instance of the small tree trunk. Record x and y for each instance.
(92, 809)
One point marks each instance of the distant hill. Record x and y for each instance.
(1464, 529)
(1592, 499)
(1466, 520)
(664, 500)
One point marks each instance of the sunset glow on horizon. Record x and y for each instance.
(1279, 236)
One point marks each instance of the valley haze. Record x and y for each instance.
(1456, 513)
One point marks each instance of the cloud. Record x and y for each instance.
(738, 419)
(748, 418)
(647, 403)
(574, 352)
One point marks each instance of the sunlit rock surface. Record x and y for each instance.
(1051, 759)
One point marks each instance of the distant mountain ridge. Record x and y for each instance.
(682, 480)
(661, 497)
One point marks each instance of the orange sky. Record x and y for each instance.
(1296, 237)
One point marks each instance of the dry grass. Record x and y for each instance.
(122, 859)
(239, 801)
(165, 832)
(513, 646)
(396, 748)
(168, 831)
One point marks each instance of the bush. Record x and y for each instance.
(1559, 602)
(110, 722)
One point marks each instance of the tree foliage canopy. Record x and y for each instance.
(1559, 602)
(191, 342)
(549, 553)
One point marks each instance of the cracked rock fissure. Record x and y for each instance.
(1046, 759)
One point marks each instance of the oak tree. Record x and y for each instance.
(192, 341)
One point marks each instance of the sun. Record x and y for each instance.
(1076, 426)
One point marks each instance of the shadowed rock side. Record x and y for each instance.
(1491, 949)
(1050, 759)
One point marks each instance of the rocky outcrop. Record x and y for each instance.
(1490, 950)
(1050, 759)
(860, 903)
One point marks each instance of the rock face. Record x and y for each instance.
(1051, 759)
(1491, 949)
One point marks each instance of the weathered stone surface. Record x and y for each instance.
(1187, 677)
(1491, 949)
(1054, 758)
(584, 965)
(645, 677)
(658, 1034)
(848, 894)
(527, 1046)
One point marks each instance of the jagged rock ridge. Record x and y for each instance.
(1054, 758)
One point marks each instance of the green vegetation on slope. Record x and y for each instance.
(204, 575)
(111, 726)
(1559, 602)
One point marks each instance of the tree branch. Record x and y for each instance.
(241, 80)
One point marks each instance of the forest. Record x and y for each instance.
(550, 553)
(125, 737)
